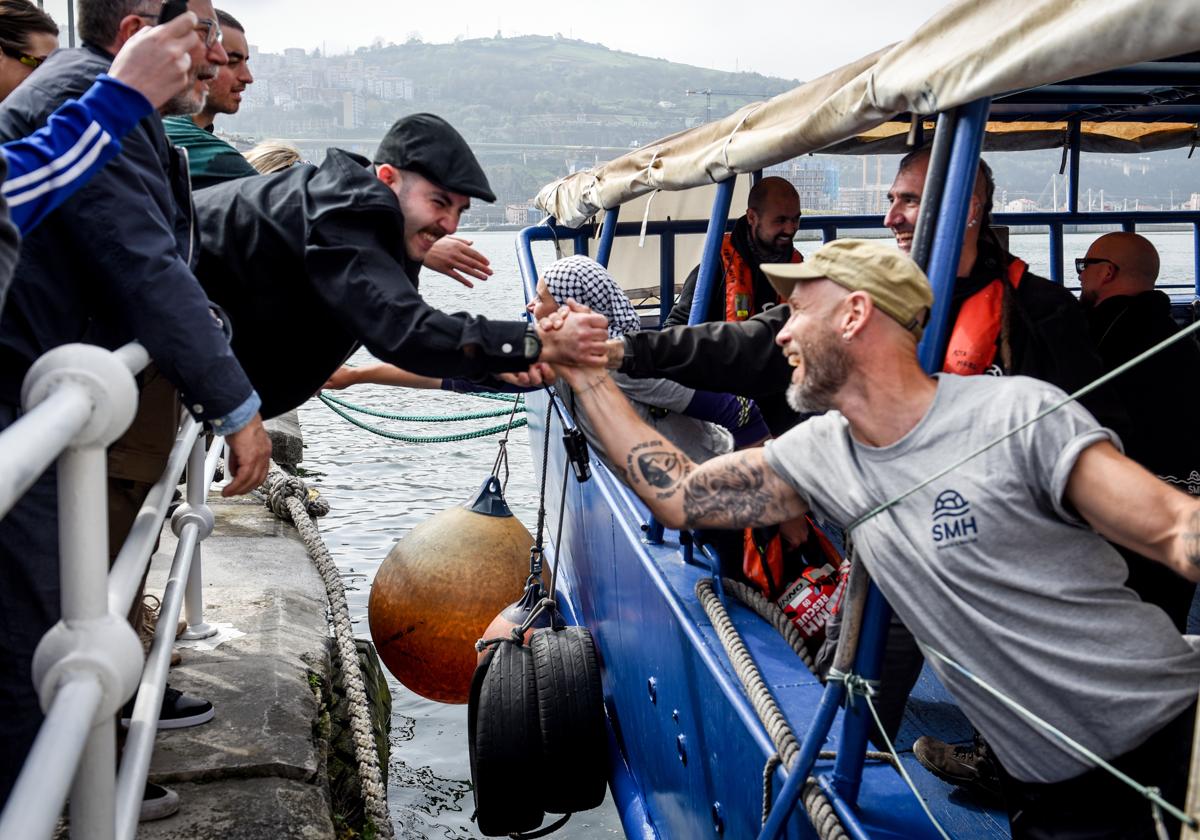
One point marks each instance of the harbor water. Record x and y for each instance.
(379, 489)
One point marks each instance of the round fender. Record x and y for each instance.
(570, 705)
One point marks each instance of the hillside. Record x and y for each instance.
(542, 90)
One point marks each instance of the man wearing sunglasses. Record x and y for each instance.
(1127, 316)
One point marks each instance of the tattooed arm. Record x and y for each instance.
(733, 491)
(1129, 505)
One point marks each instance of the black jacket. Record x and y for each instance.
(111, 263)
(763, 291)
(309, 263)
(1048, 337)
(1160, 392)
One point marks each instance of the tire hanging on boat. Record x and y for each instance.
(504, 742)
(570, 704)
(439, 588)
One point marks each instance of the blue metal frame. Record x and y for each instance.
(951, 225)
(607, 233)
(711, 260)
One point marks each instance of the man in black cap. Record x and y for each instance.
(312, 262)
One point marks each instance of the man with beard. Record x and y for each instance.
(335, 251)
(1021, 587)
(763, 235)
(111, 264)
(210, 159)
(1006, 320)
(1127, 316)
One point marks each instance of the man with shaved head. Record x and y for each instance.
(1126, 316)
(763, 235)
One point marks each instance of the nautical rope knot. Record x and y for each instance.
(280, 487)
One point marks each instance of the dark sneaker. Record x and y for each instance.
(158, 803)
(179, 710)
(970, 766)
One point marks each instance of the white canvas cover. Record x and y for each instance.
(970, 49)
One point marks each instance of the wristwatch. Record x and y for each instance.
(533, 345)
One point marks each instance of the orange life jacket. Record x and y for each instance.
(972, 345)
(739, 281)
(815, 592)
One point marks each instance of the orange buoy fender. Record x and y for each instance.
(439, 588)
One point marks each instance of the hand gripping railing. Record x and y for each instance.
(78, 399)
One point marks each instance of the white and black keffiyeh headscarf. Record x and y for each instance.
(589, 283)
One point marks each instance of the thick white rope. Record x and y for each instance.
(291, 500)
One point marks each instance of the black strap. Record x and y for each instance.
(542, 832)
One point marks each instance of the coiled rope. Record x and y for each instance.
(821, 814)
(291, 500)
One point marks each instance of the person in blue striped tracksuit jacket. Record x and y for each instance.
(41, 171)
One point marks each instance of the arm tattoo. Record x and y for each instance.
(662, 468)
(1191, 539)
(734, 496)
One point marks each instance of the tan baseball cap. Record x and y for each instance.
(895, 283)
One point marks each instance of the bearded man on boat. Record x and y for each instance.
(996, 561)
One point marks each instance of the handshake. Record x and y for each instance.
(574, 340)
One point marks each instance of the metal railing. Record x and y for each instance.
(78, 399)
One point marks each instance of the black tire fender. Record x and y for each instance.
(570, 704)
(504, 742)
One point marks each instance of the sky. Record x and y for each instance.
(797, 40)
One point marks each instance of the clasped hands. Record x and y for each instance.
(573, 341)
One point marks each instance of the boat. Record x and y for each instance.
(689, 755)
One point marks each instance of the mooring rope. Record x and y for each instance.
(821, 813)
(455, 438)
(291, 500)
(415, 418)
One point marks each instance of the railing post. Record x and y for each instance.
(89, 644)
(196, 506)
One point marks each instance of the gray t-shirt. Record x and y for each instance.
(699, 439)
(989, 566)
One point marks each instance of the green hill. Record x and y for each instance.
(553, 90)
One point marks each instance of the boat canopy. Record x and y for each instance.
(1040, 60)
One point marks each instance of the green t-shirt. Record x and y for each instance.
(210, 159)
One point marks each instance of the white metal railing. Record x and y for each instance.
(77, 400)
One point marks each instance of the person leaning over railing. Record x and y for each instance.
(110, 263)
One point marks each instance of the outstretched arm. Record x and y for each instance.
(737, 490)
(1128, 505)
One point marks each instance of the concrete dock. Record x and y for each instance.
(258, 769)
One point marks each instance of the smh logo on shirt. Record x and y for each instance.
(953, 522)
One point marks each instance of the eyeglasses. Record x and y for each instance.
(31, 61)
(1081, 263)
(212, 29)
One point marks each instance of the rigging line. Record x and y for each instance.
(1082, 392)
(1150, 793)
(857, 686)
